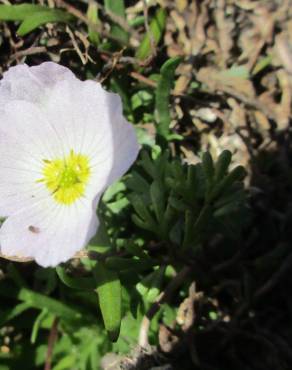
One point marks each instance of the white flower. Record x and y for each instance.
(62, 142)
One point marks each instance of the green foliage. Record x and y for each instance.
(156, 29)
(19, 12)
(117, 9)
(179, 203)
(165, 84)
(92, 15)
(109, 295)
(156, 220)
(32, 22)
(32, 16)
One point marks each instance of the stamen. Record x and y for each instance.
(66, 178)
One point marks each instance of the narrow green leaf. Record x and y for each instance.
(150, 286)
(101, 242)
(117, 8)
(156, 285)
(120, 86)
(36, 325)
(143, 224)
(227, 209)
(222, 165)
(148, 165)
(37, 19)
(156, 28)
(194, 230)
(137, 21)
(163, 91)
(178, 204)
(135, 250)
(137, 183)
(157, 199)
(122, 264)
(141, 209)
(262, 64)
(169, 217)
(67, 362)
(237, 174)
(92, 15)
(236, 71)
(55, 307)
(15, 311)
(110, 299)
(19, 12)
(189, 224)
(75, 283)
(208, 166)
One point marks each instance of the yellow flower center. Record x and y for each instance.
(66, 178)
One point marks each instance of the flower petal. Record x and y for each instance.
(47, 113)
(26, 140)
(90, 120)
(31, 83)
(48, 232)
(27, 125)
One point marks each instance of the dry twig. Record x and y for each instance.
(52, 339)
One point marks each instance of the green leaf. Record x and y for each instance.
(236, 71)
(208, 166)
(37, 19)
(75, 283)
(36, 325)
(122, 264)
(65, 363)
(92, 15)
(55, 307)
(144, 138)
(149, 287)
(110, 299)
(222, 165)
(137, 183)
(135, 249)
(142, 210)
(12, 313)
(117, 8)
(19, 12)
(156, 28)
(141, 98)
(262, 64)
(120, 86)
(194, 230)
(137, 21)
(163, 91)
(189, 224)
(117, 206)
(143, 224)
(113, 190)
(149, 165)
(237, 174)
(157, 198)
(101, 241)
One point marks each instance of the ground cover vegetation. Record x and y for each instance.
(191, 267)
